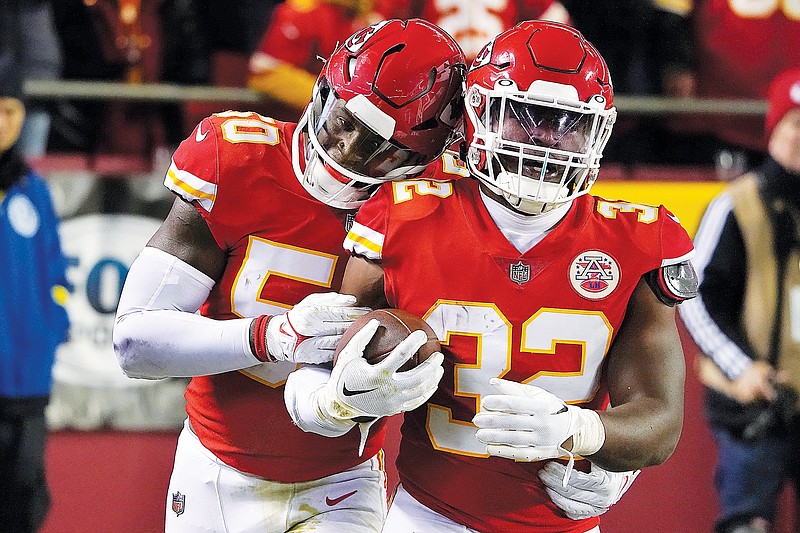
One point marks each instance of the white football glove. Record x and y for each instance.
(357, 388)
(310, 331)
(586, 494)
(527, 423)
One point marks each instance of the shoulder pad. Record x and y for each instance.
(415, 199)
(673, 284)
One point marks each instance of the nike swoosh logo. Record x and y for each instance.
(200, 136)
(332, 502)
(348, 392)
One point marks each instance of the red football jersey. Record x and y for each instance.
(282, 245)
(472, 24)
(301, 34)
(740, 47)
(546, 317)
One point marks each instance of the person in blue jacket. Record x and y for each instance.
(33, 322)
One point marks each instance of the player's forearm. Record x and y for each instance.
(157, 333)
(159, 344)
(645, 373)
(641, 433)
(301, 397)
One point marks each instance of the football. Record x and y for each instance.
(395, 325)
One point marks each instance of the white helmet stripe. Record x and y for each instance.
(368, 113)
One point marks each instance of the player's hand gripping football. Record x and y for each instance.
(309, 332)
(528, 423)
(358, 389)
(586, 494)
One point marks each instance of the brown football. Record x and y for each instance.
(395, 325)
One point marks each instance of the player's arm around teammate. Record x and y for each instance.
(158, 335)
(584, 494)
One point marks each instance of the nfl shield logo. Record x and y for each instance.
(520, 273)
(178, 503)
(348, 221)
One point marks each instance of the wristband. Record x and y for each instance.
(258, 339)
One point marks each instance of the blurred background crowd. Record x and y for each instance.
(710, 49)
(107, 88)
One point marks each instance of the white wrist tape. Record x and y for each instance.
(157, 333)
(301, 395)
(588, 439)
(591, 436)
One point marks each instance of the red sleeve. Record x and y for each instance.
(366, 236)
(220, 176)
(373, 213)
(676, 245)
(193, 174)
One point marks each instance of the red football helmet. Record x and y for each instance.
(540, 109)
(387, 104)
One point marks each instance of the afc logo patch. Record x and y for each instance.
(178, 503)
(594, 274)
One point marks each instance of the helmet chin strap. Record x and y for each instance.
(552, 191)
(530, 207)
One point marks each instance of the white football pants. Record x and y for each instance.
(406, 515)
(206, 495)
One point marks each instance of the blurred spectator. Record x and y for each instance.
(300, 32)
(147, 41)
(33, 322)
(472, 23)
(623, 32)
(745, 322)
(29, 47)
(104, 40)
(724, 49)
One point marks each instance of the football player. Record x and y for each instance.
(253, 241)
(555, 308)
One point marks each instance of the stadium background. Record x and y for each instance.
(113, 439)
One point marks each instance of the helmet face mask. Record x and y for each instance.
(339, 132)
(325, 181)
(538, 144)
(381, 110)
